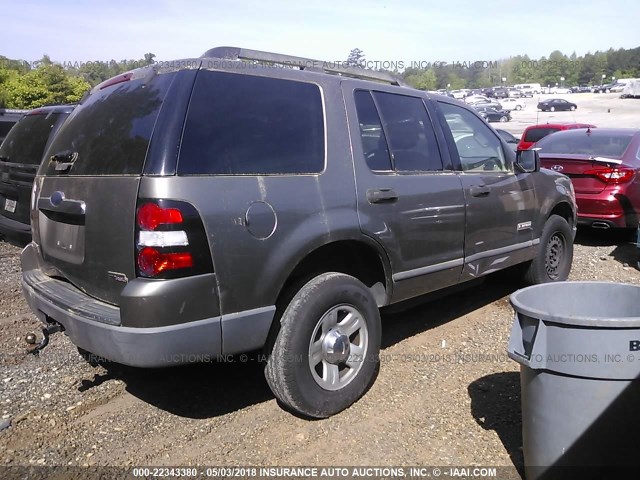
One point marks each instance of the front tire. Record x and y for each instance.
(572, 108)
(552, 109)
(555, 253)
(503, 119)
(325, 356)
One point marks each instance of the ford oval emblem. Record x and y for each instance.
(557, 168)
(56, 198)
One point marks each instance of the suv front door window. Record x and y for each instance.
(500, 205)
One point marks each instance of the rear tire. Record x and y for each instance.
(326, 354)
(552, 109)
(555, 253)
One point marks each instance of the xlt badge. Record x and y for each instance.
(118, 277)
(524, 226)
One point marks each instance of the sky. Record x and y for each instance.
(386, 30)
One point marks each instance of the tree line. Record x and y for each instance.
(45, 82)
(27, 85)
(558, 68)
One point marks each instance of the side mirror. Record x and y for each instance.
(527, 161)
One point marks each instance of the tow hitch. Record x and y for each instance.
(51, 328)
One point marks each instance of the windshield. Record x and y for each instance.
(610, 145)
(111, 130)
(26, 141)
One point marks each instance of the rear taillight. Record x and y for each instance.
(612, 175)
(152, 262)
(170, 240)
(150, 216)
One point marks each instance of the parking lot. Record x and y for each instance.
(601, 109)
(446, 394)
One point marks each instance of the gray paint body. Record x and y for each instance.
(259, 228)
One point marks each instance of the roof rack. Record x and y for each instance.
(235, 53)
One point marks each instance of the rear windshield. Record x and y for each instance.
(26, 142)
(613, 145)
(4, 129)
(109, 133)
(244, 124)
(536, 134)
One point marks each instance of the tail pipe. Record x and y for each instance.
(51, 328)
(602, 225)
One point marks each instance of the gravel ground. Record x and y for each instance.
(447, 394)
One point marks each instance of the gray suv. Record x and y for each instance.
(247, 200)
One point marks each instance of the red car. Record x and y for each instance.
(604, 167)
(534, 133)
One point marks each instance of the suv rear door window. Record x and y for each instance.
(242, 125)
(110, 131)
(374, 142)
(25, 143)
(407, 125)
(404, 140)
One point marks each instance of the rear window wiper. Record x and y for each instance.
(64, 159)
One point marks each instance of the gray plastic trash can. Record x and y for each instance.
(578, 344)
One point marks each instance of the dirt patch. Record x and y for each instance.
(446, 393)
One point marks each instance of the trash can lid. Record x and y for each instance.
(589, 304)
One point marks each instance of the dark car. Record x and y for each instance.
(8, 118)
(606, 88)
(533, 133)
(556, 104)
(499, 92)
(604, 167)
(511, 140)
(581, 89)
(493, 115)
(212, 206)
(20, 156)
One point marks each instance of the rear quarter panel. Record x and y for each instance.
(306, 210)
(552, 189)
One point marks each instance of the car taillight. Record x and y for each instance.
(170, 240)
(152, 262)
(612, 175)
(150, 215)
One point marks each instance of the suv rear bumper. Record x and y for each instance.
(95, 326)
(198, 341)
